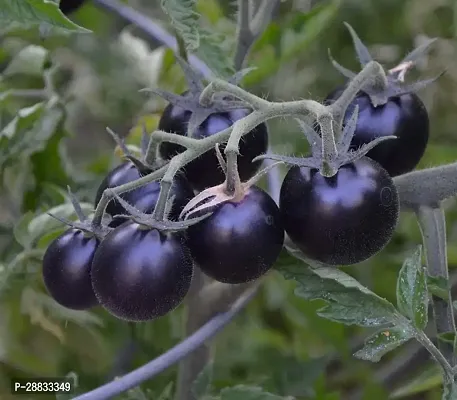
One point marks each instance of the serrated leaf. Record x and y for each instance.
(348, 301)
(212, 53)
(412, 294)
(31, 60)
(202, 384)
(382, 342)
(185, 19)
(29, 13)
(243, 392)
(431, 378)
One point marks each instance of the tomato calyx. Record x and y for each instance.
(149, 221)
(148, 162)
(83, 224)
(210, 199)
(190, 100)
(392, 83)
(328, 165)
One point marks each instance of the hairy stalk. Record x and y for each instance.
(432, 223)
(373, 71)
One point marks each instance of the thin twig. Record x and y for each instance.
(171, 357)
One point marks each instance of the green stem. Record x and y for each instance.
(329, 150)
(432, 223)
(158, 137)
(181, 47)
(216, 86)
(264, 111)
(373, 71)
(165, 187)
(233, 177)
(424, 340)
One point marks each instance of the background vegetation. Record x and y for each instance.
(278, 342)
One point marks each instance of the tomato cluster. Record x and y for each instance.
(139, 272)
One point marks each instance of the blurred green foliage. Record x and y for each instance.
(279, 342)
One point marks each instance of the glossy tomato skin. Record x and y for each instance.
(404, 117)
(205, 171)
(69, 6)
(340, 220)
(67, 267)
(144, 198)
(239, 242)
(139, 274)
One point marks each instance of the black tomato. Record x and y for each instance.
(340, 220)
(69, 6)
(139, 274)
(404, 117)
(144, 198)
(240, 241)
(205, 171)
(67, 267)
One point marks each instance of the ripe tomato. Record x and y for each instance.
(240, 241)
(139, 273)
(66, 269)
(340, 220)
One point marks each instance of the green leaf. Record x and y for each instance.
(29, 13)
(185, 20)
(202, 384)
(242, 392)
(383, 342)
(348, 301)
(31, 60)
(412, 294)
(438, 286)
(295, 37)
(21, 230)
(206, 44)
(428, 379)
(212, 53)
(29, 132)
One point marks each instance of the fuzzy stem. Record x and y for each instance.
(329, 151)
(373, 71)
(432, 223)
(160, 136)
(233, 177)
(165, 186)
(218, 86)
